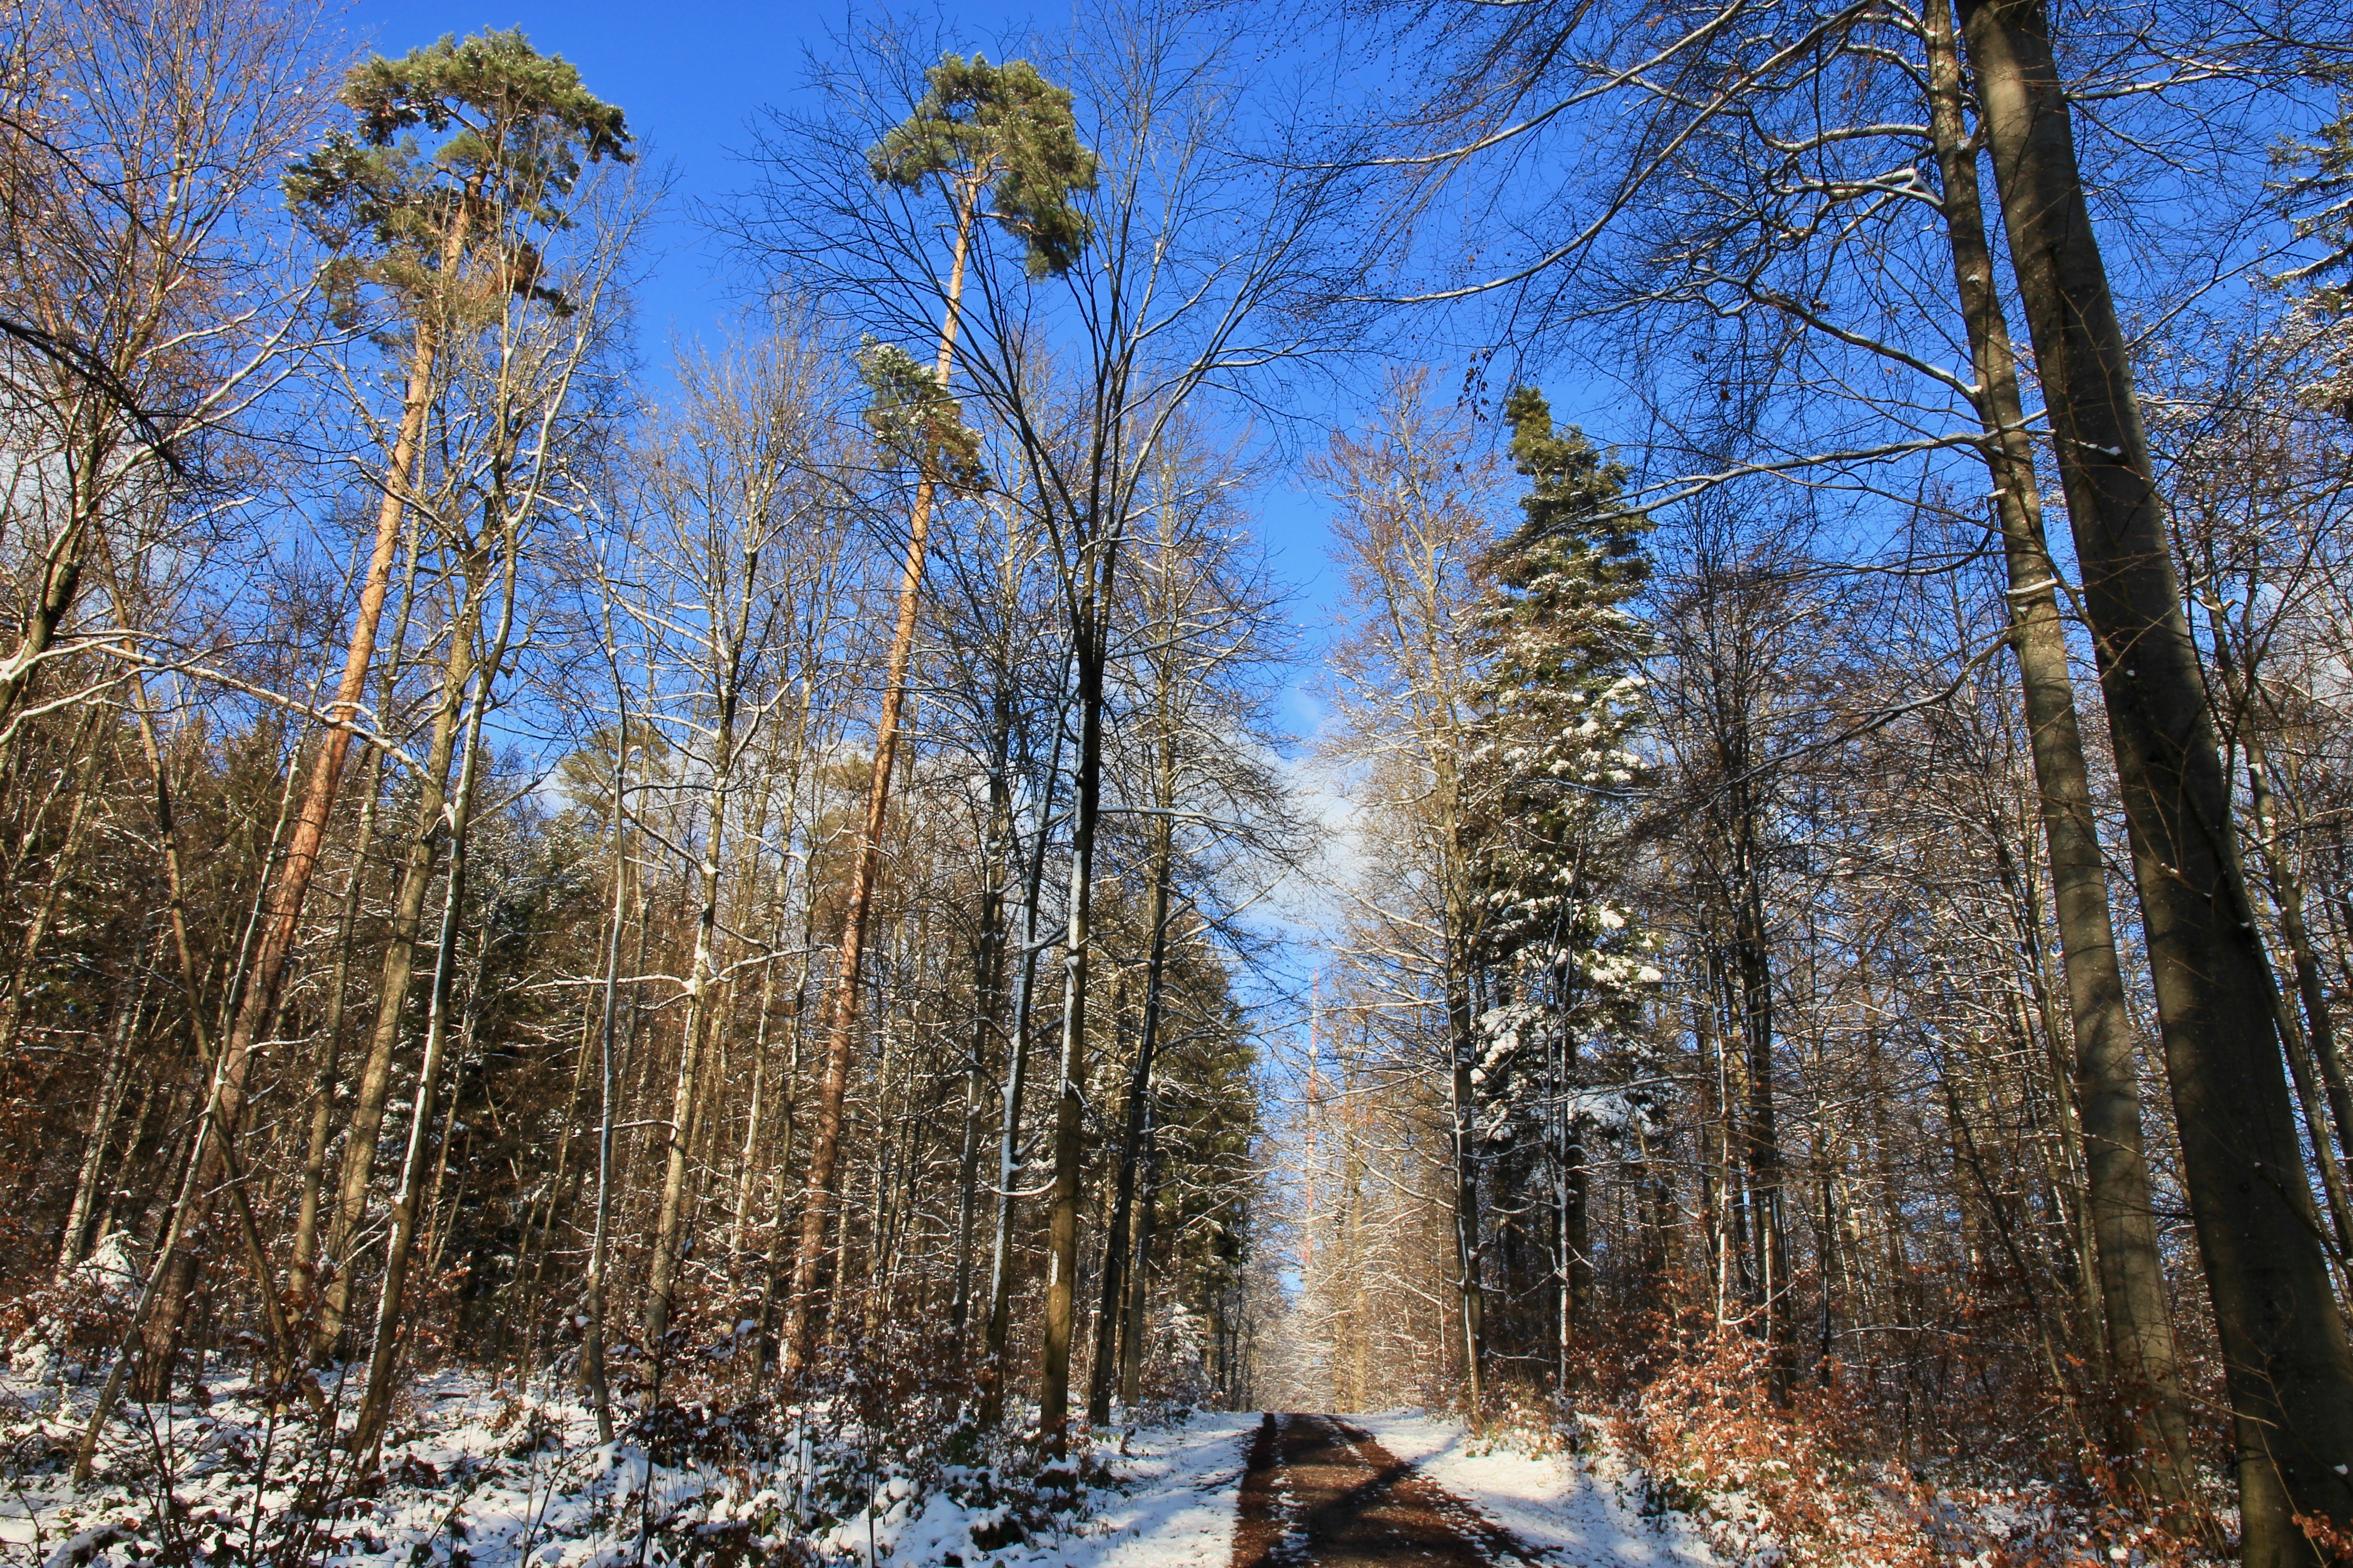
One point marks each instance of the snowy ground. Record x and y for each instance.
(479, 1477)
(1186, 1484)
(1582, 1511)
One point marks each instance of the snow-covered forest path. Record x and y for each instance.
(1322, 1491)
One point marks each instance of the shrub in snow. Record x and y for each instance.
(54, 1329)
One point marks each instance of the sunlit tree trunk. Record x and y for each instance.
(2131, 1275)
(2286, 1366)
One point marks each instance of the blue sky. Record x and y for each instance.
(692, 79)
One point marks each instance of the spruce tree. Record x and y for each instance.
(1561, 684)
(1563, 966)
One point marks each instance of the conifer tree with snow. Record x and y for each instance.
(1564, 964)
(1563, 689)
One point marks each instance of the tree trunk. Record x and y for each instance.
(686, 1100)
(592, 1331)
(841, 1012)
(988, 983)
(2289, 1376)
(1008, 1144)
(283, 910)
(303, 1274)
(74, 1246)
(1139, 1099)
(366, 1124)
(37, 930)
(1754, 980)
(1470, 1299)
(2131, 1272)
(2312, 990)
(1139, 1273)
(1090, 635)
(376, 1403)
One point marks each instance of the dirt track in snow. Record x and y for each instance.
(1321, 1493)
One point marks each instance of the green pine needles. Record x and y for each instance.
(456, 146)
(1004, 133)
(1561, 685)
(914, 419)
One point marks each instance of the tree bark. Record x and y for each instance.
(376, 1402)
(1070, 1106)
(283, 912)
(988, 983)
(686, 1101)
(37, 930)
(1008, 1144)
(1754, 982)
(366, 1124)
(74, 1246)
(303, 1274)
(801, 1319)
(1108, 1321)
(2140, 1343)
(2289, 1376)
(1139, 1272)
(1461, 1050)
(592, 1331)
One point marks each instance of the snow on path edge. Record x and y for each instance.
(1187, 1481)
(1571, 1509)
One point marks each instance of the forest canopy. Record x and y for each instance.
(1620, 720)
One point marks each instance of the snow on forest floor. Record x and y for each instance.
(1580, 1510)
(474, 1476)
(1186, 1484)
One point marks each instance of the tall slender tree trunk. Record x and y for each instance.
(989, 985)
(166, 1315)
(2312, 988)
(592, 1331)
(756, 1119)
(1090, 635)
(374, 1088)
(391, 1321)
(686, 1106)
(74, 1246)
(1469, 1298)
(2140, 1344)
(1108, 1321)
(282, 913)
(1575, 1217)
(37, 930)
(1753, 981)
(2287, 1370)
(410, 1197)
(1139, 1272)
(1009, 1164)
(303, 1274)
(817, 1203)
(782, 1235)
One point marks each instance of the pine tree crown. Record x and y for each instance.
(517, 128)
(1012, 133)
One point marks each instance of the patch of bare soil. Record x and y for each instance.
(1320, 1493)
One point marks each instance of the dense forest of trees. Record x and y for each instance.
(1807, 926)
